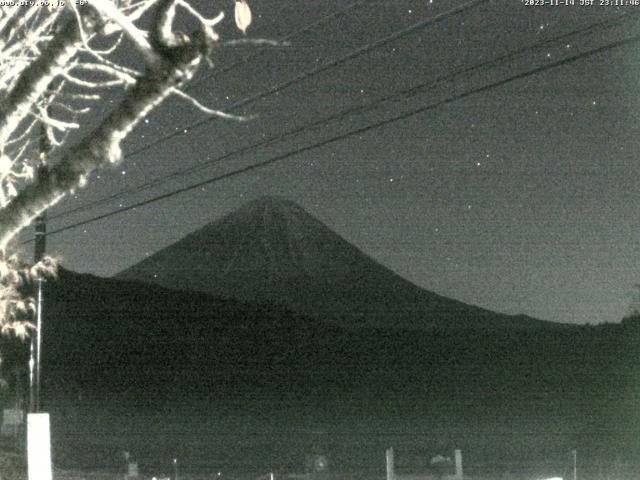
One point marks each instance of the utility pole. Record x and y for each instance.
(38, 423)
(40, 247)
(391, 475)
(575, 464)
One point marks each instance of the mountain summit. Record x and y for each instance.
(272, 251)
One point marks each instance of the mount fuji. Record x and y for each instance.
(272, 251)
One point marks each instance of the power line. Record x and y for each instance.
(358, 131)
(412, 91)
(322, 68)
(310, 73)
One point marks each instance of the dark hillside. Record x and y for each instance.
(116, 353)
(273, 251)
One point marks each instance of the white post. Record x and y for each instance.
(38, 446)
(458, 454)
(390, 469)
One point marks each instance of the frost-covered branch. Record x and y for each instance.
(257, 42)
(175, 61)
(55, 67)
(207, 110)
(37, 76)
(109, 11)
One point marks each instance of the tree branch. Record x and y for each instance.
(35, 79)
(102, 146)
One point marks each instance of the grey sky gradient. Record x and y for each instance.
(520, 199)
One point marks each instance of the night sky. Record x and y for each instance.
(521, 198)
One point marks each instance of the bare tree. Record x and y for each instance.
(57, 62)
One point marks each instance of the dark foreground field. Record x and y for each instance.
(254, 442)
(247, 389)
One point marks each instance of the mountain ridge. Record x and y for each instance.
(129, 345)
(272, 250)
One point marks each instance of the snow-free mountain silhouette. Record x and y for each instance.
(116, 352)
(272, 251)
